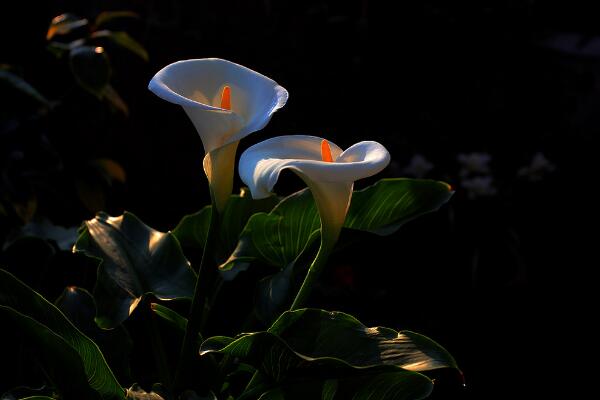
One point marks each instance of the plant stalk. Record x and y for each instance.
(206, 275)
(314, 271)
(158, 349)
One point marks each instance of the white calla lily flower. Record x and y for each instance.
(225, 102)
(328, 171)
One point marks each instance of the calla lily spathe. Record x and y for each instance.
(331, 183)
(198, 86)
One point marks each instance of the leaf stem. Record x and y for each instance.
(206, 275)
(158, 349)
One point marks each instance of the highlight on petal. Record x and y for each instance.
(198, 86)
(261, 164)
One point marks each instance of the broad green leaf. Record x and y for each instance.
(74, 362)
(390, 203)
(134, 260)
(302, 355)
(193, 228)
(124, 40)
(64, 24)
(317, 333)
(170, 316)
(278, 238)
(61, 362)
(91, 69)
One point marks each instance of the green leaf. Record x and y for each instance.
(17, 84)
(77, 304)
(124, 40)
(302, 356)
(61, 362)
(25, 392)
(38, 398)
(362, 346)
(170, 316)
(106, 17)
(64, 24)
(193, 228)
(91, 69)
(70, 358)
(280, 237)
(390, 203)
(79, 307)
(134, 260)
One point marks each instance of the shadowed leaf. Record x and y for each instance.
(91, 69)
(78, 305)
(302, 355)
(74, 362)
(134, 260)
(18, 84)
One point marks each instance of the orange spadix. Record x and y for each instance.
(326, 151)
(226, 98)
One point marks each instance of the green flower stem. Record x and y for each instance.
(328, 239)
(206, 276)
(314, 271)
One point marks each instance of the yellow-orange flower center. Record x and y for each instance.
(326, 151)
(226, 98)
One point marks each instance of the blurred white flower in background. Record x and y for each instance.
(479, 186)
(418, 167)
(474, 163)
(539, 167)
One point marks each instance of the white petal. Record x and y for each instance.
(196, 85)
(261, 164)
(331, 183)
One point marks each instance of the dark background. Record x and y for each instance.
(491, 278)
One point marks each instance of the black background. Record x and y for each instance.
(498, 281)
